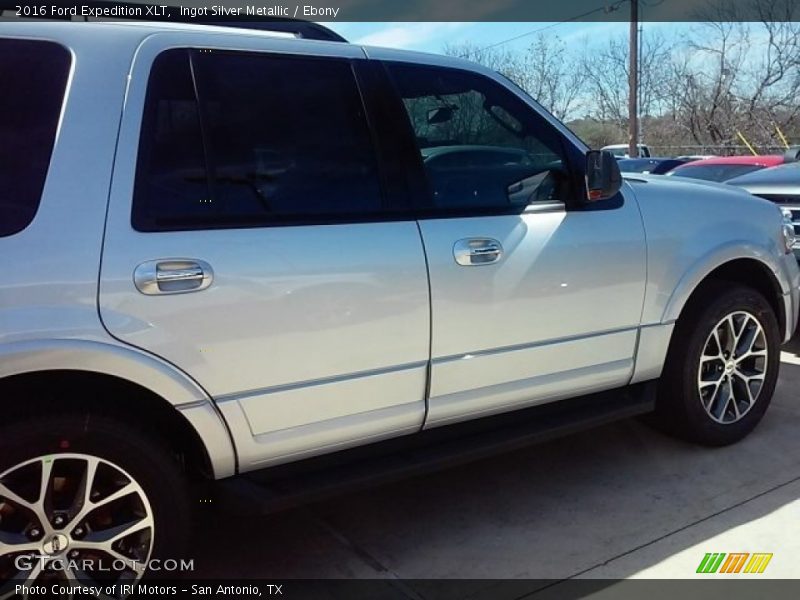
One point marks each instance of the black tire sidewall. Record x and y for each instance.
(142, 457)
(720, 302)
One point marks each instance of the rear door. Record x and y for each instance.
(534, 298)
(252, 243)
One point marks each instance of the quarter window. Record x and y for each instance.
(480, 145)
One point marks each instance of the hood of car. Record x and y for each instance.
(685, 187)
(680, 183)
(780, 177)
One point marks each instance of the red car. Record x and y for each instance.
(722, 168)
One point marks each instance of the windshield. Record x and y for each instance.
(634, 165)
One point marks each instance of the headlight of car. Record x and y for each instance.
(789, 235)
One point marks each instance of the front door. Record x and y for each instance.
(533, 299)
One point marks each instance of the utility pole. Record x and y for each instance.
(633, 82)
(639, 120)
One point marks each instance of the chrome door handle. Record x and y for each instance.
(172, 276)
(191, 274)
(473, 252)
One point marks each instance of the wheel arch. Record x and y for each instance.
(656, 339)
(748, 271)
(122, 383)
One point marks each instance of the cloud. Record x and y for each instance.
(408, 35)
(594, 31)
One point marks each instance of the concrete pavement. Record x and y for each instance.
(621, 501)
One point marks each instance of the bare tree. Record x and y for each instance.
(606, 72)
(546, 70)
(741, 77)
(549, 73)
(736, 73)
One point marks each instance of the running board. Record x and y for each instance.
(311, 480)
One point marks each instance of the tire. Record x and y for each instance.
(137, 487)
(710, 417)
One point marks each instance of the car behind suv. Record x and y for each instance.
(621, 150)
(780, 185)
(724, 168)
(225, 251)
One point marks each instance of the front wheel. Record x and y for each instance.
(722, 366)
(86, 500)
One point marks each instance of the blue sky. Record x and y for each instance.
(432, 37)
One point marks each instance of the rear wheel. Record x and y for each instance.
(87, 500)
(722, 366)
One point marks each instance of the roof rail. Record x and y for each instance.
(172, 14)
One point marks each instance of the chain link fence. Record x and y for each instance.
(710, 150)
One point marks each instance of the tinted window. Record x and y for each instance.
(33, 78)
(637, 165)
(481, 146)
(266, 140)
(172, 186)
(656, 166)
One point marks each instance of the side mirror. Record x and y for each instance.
(603, 177)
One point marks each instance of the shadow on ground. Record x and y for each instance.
(553, 511)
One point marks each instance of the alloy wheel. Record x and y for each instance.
(732, 368)
(72, 518)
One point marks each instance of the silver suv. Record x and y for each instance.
(227, 250)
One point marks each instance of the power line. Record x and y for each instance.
(607, 9)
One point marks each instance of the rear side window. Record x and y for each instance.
(172, 186)
(234, 140)
(33, 78)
